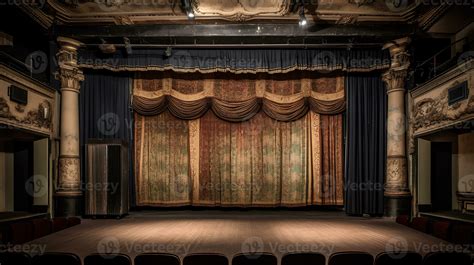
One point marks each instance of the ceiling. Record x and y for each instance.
(234, 21)
(207, 11)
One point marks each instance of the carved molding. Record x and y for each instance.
(70, 181)
(435, 112)
(70, 78)
(240, 10)
(395, 77)
(38, 114)
(361, 2)
(165, 11)
(39, 117)
(396, 183)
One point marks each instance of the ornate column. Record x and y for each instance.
(397, 192)
(68, 194)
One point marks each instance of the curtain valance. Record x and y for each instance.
(237, 98)
(238, 61)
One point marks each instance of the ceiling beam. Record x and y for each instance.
(238, 33)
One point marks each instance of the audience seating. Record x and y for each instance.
(14, 258)
(421, 224)
(153, 259)
(57, 259)
(351, 257)
(403, 219)
(112, 259)
(72, 221)
(445, 258)
(254, 259)
(339, 258)
(442, 229)
(462, 234)
(402, 258)
(303, 258)
(59, 223)
(21, 232)
(205, 259)
(41, 228)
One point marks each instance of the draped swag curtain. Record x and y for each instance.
(366, 144)
(226, 152)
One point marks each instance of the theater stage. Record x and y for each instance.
(231, 232)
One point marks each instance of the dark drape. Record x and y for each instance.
(104, 111)
(238, 61)
(366, 144)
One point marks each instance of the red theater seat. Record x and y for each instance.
(57, 259)
(398, 258)
(14, 258)
(351, 257)
(102, 259)
(420, 224)
(158, 258)
(205, 259)
(303, 258)
(254, 259)
(462, 234)
(59, 223)
(403, 220)
(21, 232)
(445, 258)
(41, 227)
(442, 229)
(72, 221)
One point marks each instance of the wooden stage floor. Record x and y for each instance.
(231, 232)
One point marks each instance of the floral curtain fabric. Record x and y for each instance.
(238, 140)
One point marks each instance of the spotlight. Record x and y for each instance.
(303, 22)
(191, 14)
(128, 46)
(168, 51)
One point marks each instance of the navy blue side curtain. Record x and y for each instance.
(237, 61)
(365, 144)
(104, 109)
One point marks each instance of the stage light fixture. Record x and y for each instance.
(191, 14)
(303, 21)
(169, 51)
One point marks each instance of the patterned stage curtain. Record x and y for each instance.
(162, 160)
(258, 161)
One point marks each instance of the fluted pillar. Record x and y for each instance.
(68, 193)
(397, 192)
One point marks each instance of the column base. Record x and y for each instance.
(67, 205)
(397, 205)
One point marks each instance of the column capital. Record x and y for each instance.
(69, 73)
(70, 78)
(67, 54)
(395, 77)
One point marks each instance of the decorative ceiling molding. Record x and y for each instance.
(240, 10)
(361, 2)
(430, 17)
(126, 12)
